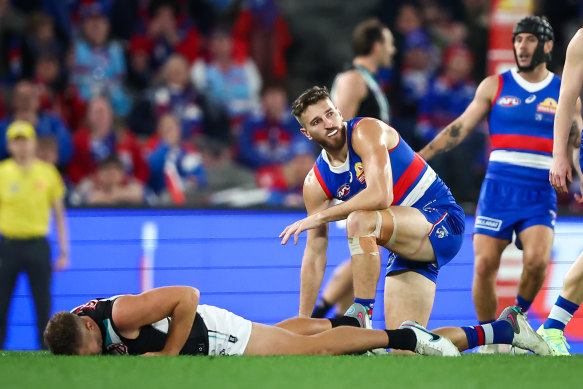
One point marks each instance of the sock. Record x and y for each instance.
(402, 339)
(498, 332)
(561, 313)
(367, 303)
(486, 322)
(344, 321)
(523, 303)
(321, 309)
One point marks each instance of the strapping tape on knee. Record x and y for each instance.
(366, 244)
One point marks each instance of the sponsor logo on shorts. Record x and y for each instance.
(549, 105)
(509, 101)
(233, 339)
(488, 223)
(441, 232)
(343, 191)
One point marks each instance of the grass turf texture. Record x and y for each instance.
(42, 370)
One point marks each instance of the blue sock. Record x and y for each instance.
(486, 322)
(561, 313)
(367, 303)
(523, 303)
(498, 332)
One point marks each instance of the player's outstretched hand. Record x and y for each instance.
(301, 225)
(560, 173)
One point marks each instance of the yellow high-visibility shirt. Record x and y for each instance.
(26, 198)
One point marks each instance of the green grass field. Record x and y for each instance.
(42, 370)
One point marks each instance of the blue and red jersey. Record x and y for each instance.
(521, 128)
(413, 178)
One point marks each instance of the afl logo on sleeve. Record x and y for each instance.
(509, 101)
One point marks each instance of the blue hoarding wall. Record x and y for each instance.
(235, 258)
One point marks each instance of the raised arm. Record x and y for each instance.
(567, 117)
(349, 91)
(456, 131)
(314, 260)
(130, 313)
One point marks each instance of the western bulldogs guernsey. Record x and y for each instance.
(521, 129)
(152, 337)
(516, 193)
(413, 178)
(416, 185)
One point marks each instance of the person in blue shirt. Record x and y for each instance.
(26, 107)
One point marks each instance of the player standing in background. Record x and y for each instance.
(567, 138)
(357, 93)
(391, 197)
(516, 195)
(29, 189)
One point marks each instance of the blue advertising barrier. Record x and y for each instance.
(237, 262)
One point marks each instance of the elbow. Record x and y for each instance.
(383, 200)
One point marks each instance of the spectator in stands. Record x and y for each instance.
(110, 185)
(25, 102)
(235, 84)
(170, 33)
(176, 168)
(271, 143)
(47, 149)
(447, 97)
(40, 40)
(12, 25)
(56, 95)
(199, 116)
(99, 64)
(262, 33)
(140, 72)
(100, 139)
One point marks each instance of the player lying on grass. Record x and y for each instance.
(170, 321)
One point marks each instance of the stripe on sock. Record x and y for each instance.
(488, 334)
(481, 336)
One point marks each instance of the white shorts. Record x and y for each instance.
(228, 333)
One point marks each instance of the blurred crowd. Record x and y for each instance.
(186, 102)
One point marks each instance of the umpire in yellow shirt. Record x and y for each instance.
(29, 188)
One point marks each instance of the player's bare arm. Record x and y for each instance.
(131, 312)
(314, 259)
(350, 90)
(59, 210)
(566, 115)
(370, 140)
(455, 132)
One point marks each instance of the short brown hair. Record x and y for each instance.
(62, 334)
(307, 98)
(365, 35)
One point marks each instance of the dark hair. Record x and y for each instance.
(62, 334)
(365, 35)
(307, 98)
(112, 160)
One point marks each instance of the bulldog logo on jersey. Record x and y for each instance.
(508, 101)
(549, 105)
(359, 172)
(343, 191)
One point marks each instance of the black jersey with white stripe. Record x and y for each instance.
(152, 337)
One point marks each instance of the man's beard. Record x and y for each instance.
(337, 142)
